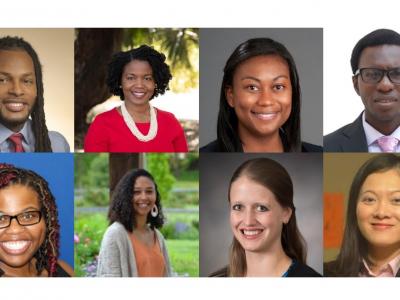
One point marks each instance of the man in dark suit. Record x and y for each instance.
(375, 62)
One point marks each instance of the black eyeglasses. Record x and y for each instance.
(26, 218)
(374, 75)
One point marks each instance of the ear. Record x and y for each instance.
(229, 96)
(287, 213)
(355, 85)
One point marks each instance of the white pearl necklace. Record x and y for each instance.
(133, 128)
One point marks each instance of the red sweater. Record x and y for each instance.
(109, 133)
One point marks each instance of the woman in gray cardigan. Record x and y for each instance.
(132, 246)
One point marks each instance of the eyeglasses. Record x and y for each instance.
(373, 75)
(26, 218)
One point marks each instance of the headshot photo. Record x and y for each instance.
(36, 90)
(36, 215)
(364, 114)
(260, 215)
(143, 97)
(261, 90)
(361, 215)
(137, 215)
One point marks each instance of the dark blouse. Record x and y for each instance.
(60, 272)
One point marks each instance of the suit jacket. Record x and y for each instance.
(349, 138)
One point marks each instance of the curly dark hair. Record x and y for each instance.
(121, 208)
(161, 72)
(47, 254)
(39, 128)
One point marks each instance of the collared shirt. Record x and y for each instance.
(57, 140)
(372, 135)
(389, 270)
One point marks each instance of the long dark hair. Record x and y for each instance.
(274, 177)
(47, 254)
(227, 126)
(39, 128)
(354, 246)
(121, 208)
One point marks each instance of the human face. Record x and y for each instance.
(378, 209)
(261, 95)
(18, 244)
(144, 196)
(381, 100)
(256, 216)
(137, 82)
(17, 88)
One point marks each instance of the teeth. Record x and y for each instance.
(17, 245)
(16, 105)
(138, 94)
(251, 232)
(142, 205)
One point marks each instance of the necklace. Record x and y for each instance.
(133, 128)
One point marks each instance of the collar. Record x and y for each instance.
(372, 134)
(26, 132)
(389, 270)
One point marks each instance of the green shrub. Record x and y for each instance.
(184, 257)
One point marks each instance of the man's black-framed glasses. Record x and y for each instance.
(25, 218)
(375, 75)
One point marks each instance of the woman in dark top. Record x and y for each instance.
(371, 239)
(259, 109)
(29, 229)
(266, 239)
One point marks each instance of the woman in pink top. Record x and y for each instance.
(371, 241)
(136, 76)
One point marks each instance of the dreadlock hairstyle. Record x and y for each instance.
(47, 254)
(354, 245)
(161, 72)
(39, 128)
(227, 124)
(274, 177)
(121, 208)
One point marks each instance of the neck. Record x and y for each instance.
(28, 270)
(139, 113)
(272, 263)
(141, 223)
(385, 128)
(270, 143)
(13, 127)
(381, 256)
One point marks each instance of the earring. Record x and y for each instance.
(154, 211)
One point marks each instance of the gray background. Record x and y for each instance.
(216, 170)
(305, 45)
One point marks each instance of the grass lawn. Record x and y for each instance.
(184, 256)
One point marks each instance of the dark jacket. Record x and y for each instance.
(297, 269)
(305, 147)
(349, 138)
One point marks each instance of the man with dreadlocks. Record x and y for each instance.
(21, 97)
(29, 229)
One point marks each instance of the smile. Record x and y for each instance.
(138, 94)
(14, 106)
(251, 233)
(385, 100)
(15, 247)
(143, 205)
(265, 116)
(381, 226)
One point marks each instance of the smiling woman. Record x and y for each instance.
(136, 76)
(371, 240)
(29, 228)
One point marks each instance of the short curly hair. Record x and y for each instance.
(161, 71)
(47, 254)
(121, 207)
(375, 38)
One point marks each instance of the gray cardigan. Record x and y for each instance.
(117, 258)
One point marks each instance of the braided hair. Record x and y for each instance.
(39, 128)
(47, 254)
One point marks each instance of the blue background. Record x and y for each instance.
(58, 170)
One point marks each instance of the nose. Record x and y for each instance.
(16, 88)
(15, 227)
(385, 85)
(382, 210)
(266, 98)
(249, 217)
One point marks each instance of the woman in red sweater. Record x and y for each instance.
(137, 76)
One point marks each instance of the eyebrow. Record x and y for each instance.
(30, 208)
(256, 79)
(24, 74)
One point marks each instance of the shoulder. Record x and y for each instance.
(307, 147)
(58, 142)
(159, 235)
(210, 147)
(64, 269)
(165, 115)
(114, 232)
(220, 273)
(301, 270)
(106, 116)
